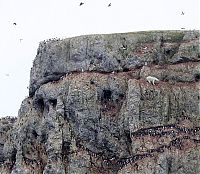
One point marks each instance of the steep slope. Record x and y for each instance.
(90, 109)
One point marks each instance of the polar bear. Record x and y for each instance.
(151, 79)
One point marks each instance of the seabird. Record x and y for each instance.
(182, 28)
(14, 23)
(109, 5)
(182, 13)
(81, 3)
(124, 47)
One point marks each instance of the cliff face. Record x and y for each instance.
(90, 109)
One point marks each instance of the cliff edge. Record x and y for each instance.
(91, 110)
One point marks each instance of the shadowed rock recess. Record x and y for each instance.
(90, 109)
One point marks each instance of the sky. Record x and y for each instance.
(38, 20)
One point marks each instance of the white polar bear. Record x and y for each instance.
(151, 79)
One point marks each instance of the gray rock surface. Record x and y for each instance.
(111, 52)
(91, 110)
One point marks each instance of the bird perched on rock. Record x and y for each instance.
(124, 47)
(81, 4)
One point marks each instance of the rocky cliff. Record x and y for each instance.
(90, 109)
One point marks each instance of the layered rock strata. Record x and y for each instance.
(90, 109)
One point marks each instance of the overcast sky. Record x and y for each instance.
(42, 19)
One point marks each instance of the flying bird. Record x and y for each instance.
(81, 3)
(182, 13)
(14, 23)
(109, 5)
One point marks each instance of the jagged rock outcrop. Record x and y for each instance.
(6, 127)
(90, 109)
(112, 52)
